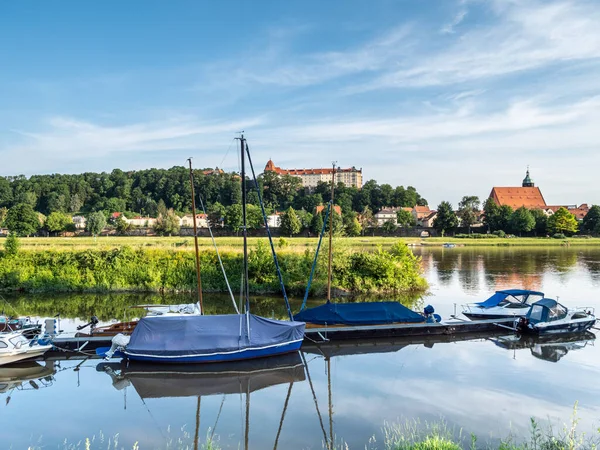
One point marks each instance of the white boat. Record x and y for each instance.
(15, 347)
(503, 304)
(547, 316)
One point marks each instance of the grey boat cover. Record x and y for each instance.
(192, 335)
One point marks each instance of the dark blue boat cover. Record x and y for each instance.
(495, 299)
(375, 313)
(191, 335)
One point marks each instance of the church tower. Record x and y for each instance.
(527, 182)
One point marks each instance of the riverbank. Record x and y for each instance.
(142, 269)
(294, 245)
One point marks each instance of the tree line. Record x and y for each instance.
(48, 201)
(501, 220)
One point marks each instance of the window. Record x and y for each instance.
(3, 344)
(537, 313)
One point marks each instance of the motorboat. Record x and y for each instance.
(29, 328)
(503, 304)
(547, 316)
(15, 347)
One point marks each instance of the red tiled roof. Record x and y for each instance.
(579, 212)
(336, 208)
(279, 171)
(422, 209)
(515, 197)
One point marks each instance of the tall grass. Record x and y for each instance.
(160, 270)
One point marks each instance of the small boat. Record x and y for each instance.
(15, 347)
(199, 338)
(448, 245)
(29, 328)
(547, 316)
(503, 304)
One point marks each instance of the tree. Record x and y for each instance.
(75, 203)
(522, 221)
(353, 227)
(446, 218)
(162, 208)
(216, 213)
(541, 222)
(3, 214)
(389, 226)
(305, 219)
(562, 221)
(254, 217)
(121, 225)
(12, 244)
(57, 222)
(468, 210)
(404, 218)
(591, 221)
(168, 224)
(337, 221)
(491, 214)
(289, 223)
(366, 218)
(96, 222)
(504, 215)
(316, 224)
(22, 220)
(233, 218)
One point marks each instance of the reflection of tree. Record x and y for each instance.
(446, 263)
(590, 259)
(564, 260)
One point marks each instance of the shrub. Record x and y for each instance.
(499, 233)
(559, 236)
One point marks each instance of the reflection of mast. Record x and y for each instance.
(331, 440)
(197, 425)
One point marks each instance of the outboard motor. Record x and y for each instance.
(92, 324)
(428, 312)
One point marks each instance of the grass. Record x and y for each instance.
(296, 244)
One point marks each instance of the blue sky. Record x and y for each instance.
(450, 96)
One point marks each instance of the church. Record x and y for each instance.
(530, 196)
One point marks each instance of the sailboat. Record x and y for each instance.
(214, 338)
(355, 314)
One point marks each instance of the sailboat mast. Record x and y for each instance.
(244, 227)
(331, 212)
(198, 279)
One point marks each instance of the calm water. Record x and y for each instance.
(489, 387)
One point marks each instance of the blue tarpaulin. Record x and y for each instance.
(216, 337)
(375, 313)
(495, 299)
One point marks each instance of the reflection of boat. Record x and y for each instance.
(448, 245)
(549, 347)
(548, 316)
(159, 380)
(15, 347)
(503, 304)
(25, 375)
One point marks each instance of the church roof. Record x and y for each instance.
(515, 197)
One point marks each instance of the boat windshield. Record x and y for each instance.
(19, 340)
(536, 314)
(519, 300)
(557, 312)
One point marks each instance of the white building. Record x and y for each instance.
(142, 222)
(188, 221)
(351, 177)
(274, 220)
(79, 222)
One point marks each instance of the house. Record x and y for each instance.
(79, 222)
(187, 221)
(578, 211)
(336, 208)
(274, 219)
(386, 214)
(3, 231)
(419, 213)
(142, 222)
(427, 221)
(528, 195)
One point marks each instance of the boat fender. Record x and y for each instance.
(429, 310)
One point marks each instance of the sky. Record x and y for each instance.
(452, 97)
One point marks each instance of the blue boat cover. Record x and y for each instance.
(375, 313)
(495, 299)
(191, 335)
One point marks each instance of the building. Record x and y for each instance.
(187, 221)
(351, 177)
(144, 222)
(528, 195)
(419, 213)
(79, 222)
(274, 219)
(321, 208)
(427, 220)
(388, 213)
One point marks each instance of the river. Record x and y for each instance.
(490, 387)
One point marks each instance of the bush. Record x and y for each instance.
(559, 236)
(12, 244)
(499, 233)
(476, 236)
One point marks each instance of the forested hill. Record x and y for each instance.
(141, 191)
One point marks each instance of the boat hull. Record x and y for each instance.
(476, 316)
(576, 327)
(32, 352)
(239, 355)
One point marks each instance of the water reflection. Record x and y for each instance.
(548, 348)
(25, 376)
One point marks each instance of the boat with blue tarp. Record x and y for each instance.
(547, 316)
(503, 304)
(199, 338)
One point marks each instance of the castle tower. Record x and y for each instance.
(527, 181)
